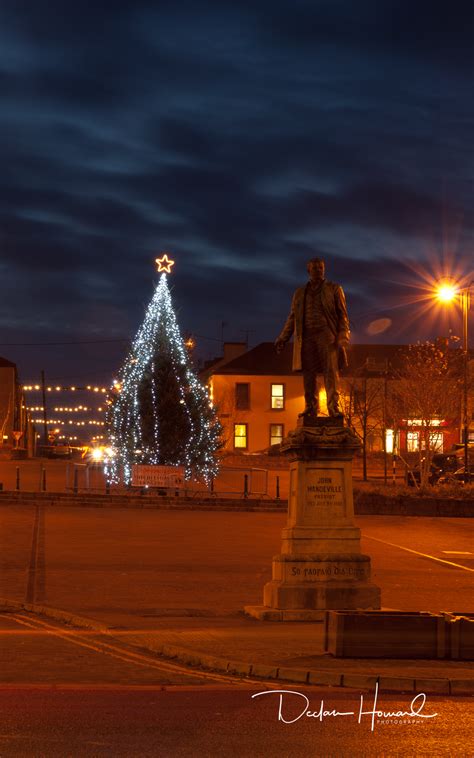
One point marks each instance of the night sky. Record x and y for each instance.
(243, 138)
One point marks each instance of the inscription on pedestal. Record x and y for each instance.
(325, 487)
(322, 571)
(320, 566)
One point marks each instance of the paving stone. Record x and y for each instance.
(462, 686)
(266, 672)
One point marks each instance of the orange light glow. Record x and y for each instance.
(446, 292)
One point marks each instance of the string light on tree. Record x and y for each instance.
(160, 413)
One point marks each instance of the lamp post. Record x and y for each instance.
(447, 292)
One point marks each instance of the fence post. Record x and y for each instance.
(74, 485)
(246, 485)
(43, 479)
(278, 488)
(17, 477)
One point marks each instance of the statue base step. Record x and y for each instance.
(325, 596)
(262, 613)
(316, 582)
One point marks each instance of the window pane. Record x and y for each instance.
(240, 435)
(276, 434)
(413, 442)
(436, 441)
(242, 396)
(278, 396)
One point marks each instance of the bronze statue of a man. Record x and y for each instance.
(318, 320)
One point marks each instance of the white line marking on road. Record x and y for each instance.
(117, 652)
(457, 552)
(422, 555)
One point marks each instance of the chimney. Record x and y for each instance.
(233, 350)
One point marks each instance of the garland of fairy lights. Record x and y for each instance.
(125, 428)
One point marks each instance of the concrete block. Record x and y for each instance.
(264, 671)
(462, 686)
(359, 681)
(396, 684)
(432, 686)
(382, 634)
(329, 678)
(189, 658)
(293, 675)
(211, 662)
(466, 639)
(238, 667)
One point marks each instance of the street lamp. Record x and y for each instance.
(447, 292)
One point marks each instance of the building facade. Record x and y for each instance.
(259, 397)
(15, 428)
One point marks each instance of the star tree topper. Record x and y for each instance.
(164, 264)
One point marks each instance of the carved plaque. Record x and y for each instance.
(324, 488)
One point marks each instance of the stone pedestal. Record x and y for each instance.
(320, 566)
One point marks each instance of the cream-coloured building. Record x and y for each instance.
(258, 398)
(256, 394)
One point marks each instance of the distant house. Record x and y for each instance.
(258, 398)
(15, 429)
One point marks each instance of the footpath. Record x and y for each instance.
(283, 652)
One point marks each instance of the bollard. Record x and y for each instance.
(394, 469)
(212, 485)
(107, 487)
(17, 478)
(278, 488)
(246, 485)
(74, 486)
(43, 479)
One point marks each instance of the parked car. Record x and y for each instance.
(54, 451)
(441, 464)
(460, 475)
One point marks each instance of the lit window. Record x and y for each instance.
(436, 441)
(276, 434)
(413, 442)
(389, 439)
(242, 396)
(240, 436)
(278, 396)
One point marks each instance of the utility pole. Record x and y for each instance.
(223, 325)
(385, 379)
(465, 295)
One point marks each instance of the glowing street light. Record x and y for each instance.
(447, 292)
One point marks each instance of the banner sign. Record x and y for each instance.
(157, 476)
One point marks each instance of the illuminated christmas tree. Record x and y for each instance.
(160, 412)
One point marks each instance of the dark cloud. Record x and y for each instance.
(244, 138)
